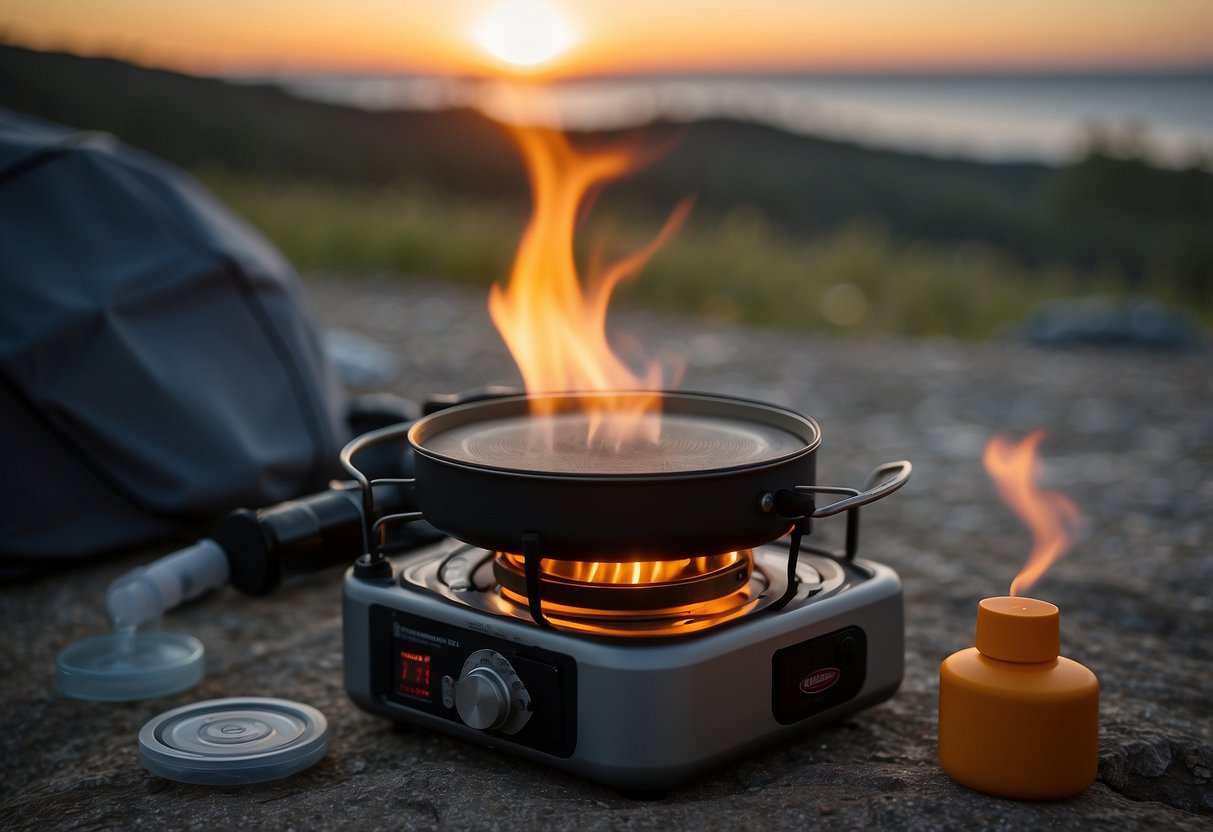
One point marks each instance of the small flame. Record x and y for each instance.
(555, 330)
(1051, 516)
(634, 573)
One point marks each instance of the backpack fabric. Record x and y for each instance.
(158, 366)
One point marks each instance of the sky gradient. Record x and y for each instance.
(628, 36)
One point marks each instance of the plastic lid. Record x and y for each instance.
(121, 666)
(224, 742)
(1018, 629)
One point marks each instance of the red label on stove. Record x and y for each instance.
(820, 680)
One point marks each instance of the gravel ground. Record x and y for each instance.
(1130, 439)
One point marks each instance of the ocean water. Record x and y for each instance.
(1007, 117)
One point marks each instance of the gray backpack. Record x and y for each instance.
(157, 363)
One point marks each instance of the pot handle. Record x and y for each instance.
(798, 503)
(880, 483)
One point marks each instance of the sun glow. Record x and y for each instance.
(524, 33)
(271, 37)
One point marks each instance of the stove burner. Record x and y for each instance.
(653, 587)
(468, 576)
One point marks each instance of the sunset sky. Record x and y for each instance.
(627, 36)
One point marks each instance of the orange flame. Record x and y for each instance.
(634, 572)
(555, 330)
(1051, 516)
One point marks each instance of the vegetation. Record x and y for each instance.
(741, 267)
(349, 230)
(788, 230)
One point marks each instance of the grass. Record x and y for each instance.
(739, 267)
(320, 227)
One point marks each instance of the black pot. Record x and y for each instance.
(726, 474)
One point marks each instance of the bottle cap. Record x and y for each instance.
(1018, 629)
(122, 666)
(224, 742)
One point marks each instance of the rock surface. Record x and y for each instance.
(1130, 439)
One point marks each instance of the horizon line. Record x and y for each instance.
(1045, 70)
(959, 71)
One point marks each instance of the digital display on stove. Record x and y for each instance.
(413, 674)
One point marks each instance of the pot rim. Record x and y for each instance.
(686, 403)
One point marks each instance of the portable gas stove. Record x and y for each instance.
(564, 623)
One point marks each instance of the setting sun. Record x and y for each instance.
(524, 33)
(561, 39)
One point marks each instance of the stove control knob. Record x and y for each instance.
(489, 696)
(482, 700)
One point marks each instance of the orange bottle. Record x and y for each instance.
(1016, 719)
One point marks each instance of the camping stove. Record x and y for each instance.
(635, 615)
(636, 702)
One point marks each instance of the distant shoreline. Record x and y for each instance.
(944, 244)
(1194, 71)
(996, 117)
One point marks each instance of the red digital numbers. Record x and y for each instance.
(414, 677)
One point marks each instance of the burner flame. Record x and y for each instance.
(637, 573)
(1052, 518)
(555, 330)
(636, 598)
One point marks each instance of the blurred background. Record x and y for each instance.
(938, 168)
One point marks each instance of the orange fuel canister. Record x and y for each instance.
(1016, 719)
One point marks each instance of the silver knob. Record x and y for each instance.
(482, 699)
(490, 696)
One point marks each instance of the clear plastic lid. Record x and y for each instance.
(234, 741)
(126, 665)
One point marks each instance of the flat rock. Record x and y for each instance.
(1130, 440)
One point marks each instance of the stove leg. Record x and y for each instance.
(793, 556)
(531, 559)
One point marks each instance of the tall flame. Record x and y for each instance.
(1051, 516)
(555, 329)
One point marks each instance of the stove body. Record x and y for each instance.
(436, 647)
